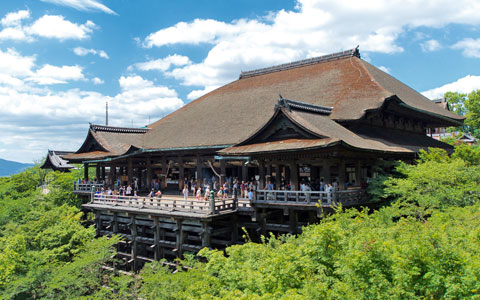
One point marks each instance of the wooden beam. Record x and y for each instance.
(181, 174)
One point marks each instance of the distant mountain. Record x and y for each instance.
(8, 167)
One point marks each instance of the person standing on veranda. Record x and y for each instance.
(185, 192)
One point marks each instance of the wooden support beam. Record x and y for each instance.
(149, 174)
(244, 173)
(293, 221)
(278, 176)
(293, 175)
(341, 174)
(199, 170)
(205, 234)
(163, 178)
(130, 170)
(85, 172)
(133, 250)
(223, 172)
(261, 172)
(179, 238)
(181, 174)
(156, 238)
(97, 173)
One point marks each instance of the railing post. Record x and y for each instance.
(235, 199)
(212, 202)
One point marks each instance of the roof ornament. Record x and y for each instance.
(282, 102)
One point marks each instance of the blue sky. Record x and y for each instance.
(62, 60)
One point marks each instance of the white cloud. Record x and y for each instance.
(470, 47)
(49, 74)
(80, 51)
(314, 27)
(163, 64)
(198, 93)
(14, 33)
(384, 69)
(462, 85)
(15, 18)
(54, 26)
(430, 46)
(83, 5)
(97, 81)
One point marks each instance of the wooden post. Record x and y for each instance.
(181, 174)
(205, 235)
(278, 176)
(199, 170)
(261, 172)
(179, 238)
(341, 174)
(326, 173)
(293, 221)
(115, 223)
(268, 175)
(97, 173)
(149, 174)
(293, 175)
(358, 173)
(244, 172)
(130, 170)
(223, 172)
(156, 238)
(102, 170)
(163, 178)
(85, 172)
(113, 174)
(133, 231)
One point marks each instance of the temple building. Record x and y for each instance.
(328, 119)
(331, 117)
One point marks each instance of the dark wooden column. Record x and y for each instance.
(156, 239)
(85, 172)
(199, 170)
(261, 172)
(133, 231)
(163, 178)
(130, 170)
(205, 235)
(179, 238)
(149, 174)
(223, 172)
(268, 175)
(293, 175)
(326, 172)
(113, 174)
(278, 176)
(244, 172)
(181, 174)
(102, 171)
(97, 173)
(358, 173)
(341, 174)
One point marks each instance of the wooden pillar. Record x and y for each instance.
(130, 170)
(268, 175)
(115, 223)
(223, 172)
(341, 174)
(156, 239)
(326, 172)
(85, 172)
(261, 172)
(244, 172)
(97, 173)
(205, 235)
(278, 176)
(179, 238)
(181, 174)
(358, 173)
(293, 221)
(102, 171)
(133, 231)
(163, 178)
(149, 174)
(113, 174)
(199, 170)
(293, 175)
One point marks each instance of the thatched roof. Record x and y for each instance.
(232, 112)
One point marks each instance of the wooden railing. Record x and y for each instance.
(346, 197)
(192, 205)
(86, 187)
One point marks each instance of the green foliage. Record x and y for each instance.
(468, 106)
(437, 180)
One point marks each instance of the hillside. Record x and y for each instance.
(8, 167)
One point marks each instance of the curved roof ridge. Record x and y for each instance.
(301, 63)
(107, 128)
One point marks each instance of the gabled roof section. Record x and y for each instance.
(55, 161)
(106, 141)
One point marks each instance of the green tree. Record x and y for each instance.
(468, 106)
